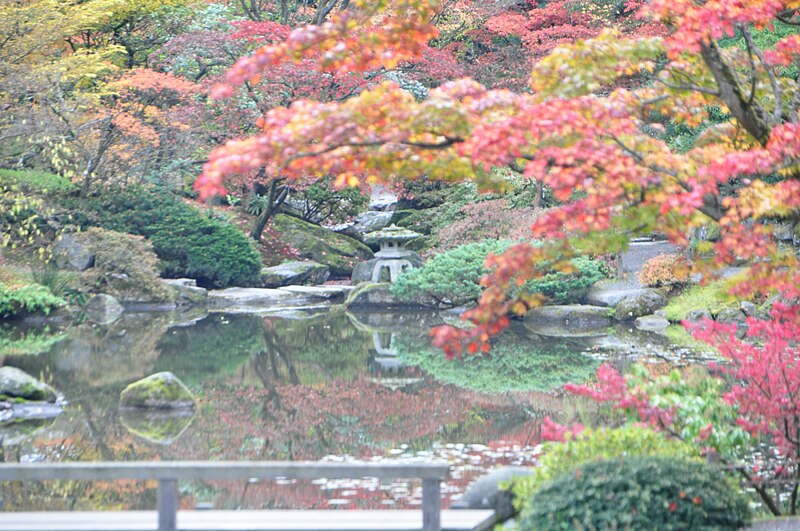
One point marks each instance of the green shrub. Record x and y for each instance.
(638, 493)
(124, 265)
(33, 298)
(453, 278)
(37, 181)
(214, 253)
(589, 445)
(450, 278)
(188, 242)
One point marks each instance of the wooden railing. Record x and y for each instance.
(168, 473)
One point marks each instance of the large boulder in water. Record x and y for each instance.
(340, 253)
(17, 384)
(162, 390)
(294, 273)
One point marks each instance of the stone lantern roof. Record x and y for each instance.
(392, 233)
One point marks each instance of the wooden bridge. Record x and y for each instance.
(169, 518)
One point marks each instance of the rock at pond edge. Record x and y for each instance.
(17, 384)
(487, 493)
(377, 295)
(639, 305)
(336, 251)
(294, 273)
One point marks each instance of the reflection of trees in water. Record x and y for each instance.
(300, 352)
(92, 359)
(290, 389)
(518, 361)
(210, 348)
(320, 348)
(83, 433)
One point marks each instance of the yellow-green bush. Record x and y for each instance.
(124, 265)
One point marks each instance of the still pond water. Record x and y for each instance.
(297, 385)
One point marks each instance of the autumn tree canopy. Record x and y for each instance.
(591, 126)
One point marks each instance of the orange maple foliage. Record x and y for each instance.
(590, 125)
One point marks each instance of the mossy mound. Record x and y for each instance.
(421, 221)
(340, 253)
(162, 390)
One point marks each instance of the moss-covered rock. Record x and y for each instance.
(639, 305)
(340, 253)
(162, 390)
(19, 385)
(421, 221)
(187, 292)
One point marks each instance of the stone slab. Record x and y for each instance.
(319, 292)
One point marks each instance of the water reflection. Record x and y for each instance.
(160, 427)
(299, 385)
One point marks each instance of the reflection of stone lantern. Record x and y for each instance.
(393, 258)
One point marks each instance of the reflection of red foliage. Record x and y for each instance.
(365, 420)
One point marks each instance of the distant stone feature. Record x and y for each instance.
(393, 258)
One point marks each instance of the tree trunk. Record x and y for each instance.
(277, 195)
(753, 118)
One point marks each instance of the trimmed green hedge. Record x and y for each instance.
(659, 493)
(188, 242)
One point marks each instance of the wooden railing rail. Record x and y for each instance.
(168, 473)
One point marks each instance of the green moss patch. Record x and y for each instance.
(712, 297)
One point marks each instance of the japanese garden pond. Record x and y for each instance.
(297, 385)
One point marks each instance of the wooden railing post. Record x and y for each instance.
(431, 505)
(167, 505)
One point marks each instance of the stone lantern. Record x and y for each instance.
(393, 258)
